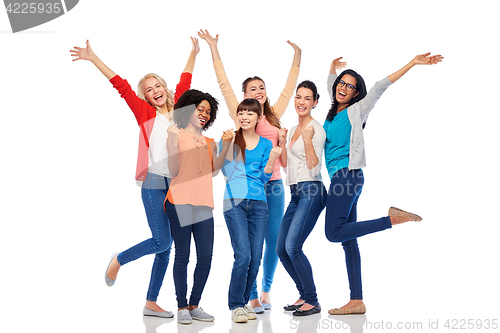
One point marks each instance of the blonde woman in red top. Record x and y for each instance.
(151, 107)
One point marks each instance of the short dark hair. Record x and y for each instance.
(360, 87)
(187, 103)
(311, 86)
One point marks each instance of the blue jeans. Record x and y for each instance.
(307, 202)
(275, 193)
(154, 190)
(246, 222)
(201, 226)
(341, 222)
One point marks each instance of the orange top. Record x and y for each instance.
(193, 184)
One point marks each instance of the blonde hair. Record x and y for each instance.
(169, 97)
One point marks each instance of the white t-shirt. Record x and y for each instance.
(158, 154)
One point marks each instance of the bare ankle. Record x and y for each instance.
(255, 303)
(265, 298)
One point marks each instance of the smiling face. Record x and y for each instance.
(154, 92)
(201, 115)
(247, 119)
(342, 92)
(304, 102)
(256, 89)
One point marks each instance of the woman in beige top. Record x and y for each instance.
(254, 87)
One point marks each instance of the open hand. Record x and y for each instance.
(206, 36)
(337, 64)
(82, 53)
(427, 59)
(196, 45)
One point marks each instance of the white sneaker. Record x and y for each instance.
(239, 315)
(249, 312)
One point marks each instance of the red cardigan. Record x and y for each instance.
(145, 115)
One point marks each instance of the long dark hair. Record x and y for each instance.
(268, 110)
(249, 104)
(360, 88)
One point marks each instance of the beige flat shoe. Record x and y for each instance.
(393, 211)
(361, 309)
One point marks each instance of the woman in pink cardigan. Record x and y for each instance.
(254, 87)
(152, 108)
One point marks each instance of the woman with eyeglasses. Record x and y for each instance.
(344, 157)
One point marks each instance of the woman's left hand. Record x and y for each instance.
(275, 152)
(308, 133)
(427, 59)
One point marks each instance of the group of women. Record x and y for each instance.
(176, 163)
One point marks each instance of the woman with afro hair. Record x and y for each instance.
(189, 202)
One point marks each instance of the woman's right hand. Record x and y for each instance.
(82, 53)
(173, 132)
(282, 133)
(196, 45)
(228, 135)
(208, 38)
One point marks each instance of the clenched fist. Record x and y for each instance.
(308, 133)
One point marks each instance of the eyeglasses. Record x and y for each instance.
(348, 86)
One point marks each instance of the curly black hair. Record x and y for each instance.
(187, 104)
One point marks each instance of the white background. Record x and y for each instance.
(69, 149)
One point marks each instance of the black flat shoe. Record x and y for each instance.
(316, 309)
(292, 307)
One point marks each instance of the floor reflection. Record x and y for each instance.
(152, 324)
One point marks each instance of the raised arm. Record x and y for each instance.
(336, 64)
(212, 42)
(192, 56)
(225, 86)
(87, 54)
(280, 106)
(422, 59)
